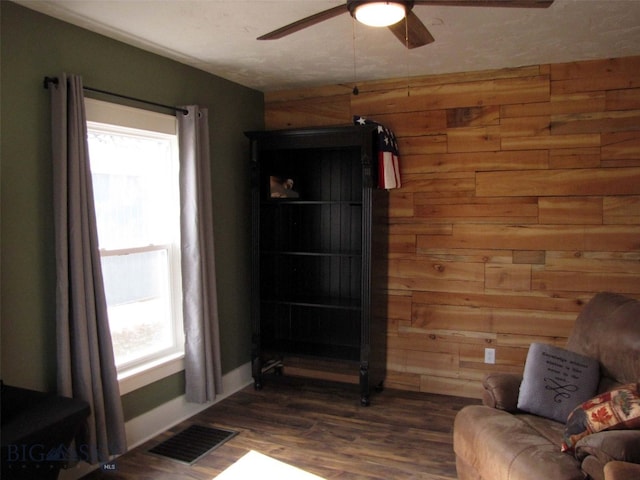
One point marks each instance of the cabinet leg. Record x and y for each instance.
(364, 385)
(256, 367)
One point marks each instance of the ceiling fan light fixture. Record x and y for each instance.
(380, 14)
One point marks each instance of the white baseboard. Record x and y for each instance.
(152, 423)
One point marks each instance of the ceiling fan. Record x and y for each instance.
(412, 33)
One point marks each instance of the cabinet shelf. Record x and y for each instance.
(284, 202)
(315, 350)
(318, 302)
(312, 254)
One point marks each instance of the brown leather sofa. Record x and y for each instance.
(496, 441)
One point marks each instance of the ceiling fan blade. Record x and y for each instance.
(487, 3)
(304, 23)
(413, 33)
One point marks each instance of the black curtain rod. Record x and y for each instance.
(54, 80)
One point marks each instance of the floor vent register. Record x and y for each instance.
(192, 443)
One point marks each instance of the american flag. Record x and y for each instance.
(388, 156)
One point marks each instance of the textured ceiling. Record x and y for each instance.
(219, 36)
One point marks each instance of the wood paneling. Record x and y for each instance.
(571, 210)
(559, 182)
(520, 200)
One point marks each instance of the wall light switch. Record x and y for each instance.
(489, 355)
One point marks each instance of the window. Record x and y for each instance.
(134, 166)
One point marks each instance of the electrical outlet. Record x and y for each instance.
(489, 355)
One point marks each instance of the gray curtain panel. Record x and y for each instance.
(203, 370)
(86, 367)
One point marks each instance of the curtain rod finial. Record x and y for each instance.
(50, 80)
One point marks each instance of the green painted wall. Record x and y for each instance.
(34, 45)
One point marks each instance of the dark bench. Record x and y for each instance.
(37, 429)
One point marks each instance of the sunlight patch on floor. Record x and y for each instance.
(257, 465)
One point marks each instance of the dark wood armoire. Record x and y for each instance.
(319, 255)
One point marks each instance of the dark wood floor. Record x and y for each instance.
(321, 428)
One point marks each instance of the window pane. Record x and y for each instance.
(139, 304)
(133, 180)
(135, 187)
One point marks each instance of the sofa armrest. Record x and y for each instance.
(611, 445)
(621, 471)
(501, 391)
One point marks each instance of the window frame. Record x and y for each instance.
(115, 118)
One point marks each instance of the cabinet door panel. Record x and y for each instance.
(311, 228)
(311, 278)
(309, 330)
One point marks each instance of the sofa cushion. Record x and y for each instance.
(621, 470)
(504, 446)
(610, 445)
(556, 380)
(551, 430)
(617, 409)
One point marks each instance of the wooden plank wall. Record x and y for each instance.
(520, 200)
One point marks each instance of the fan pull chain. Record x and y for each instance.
(407, 59)
(355, 73)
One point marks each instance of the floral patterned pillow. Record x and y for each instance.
(618, 409)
